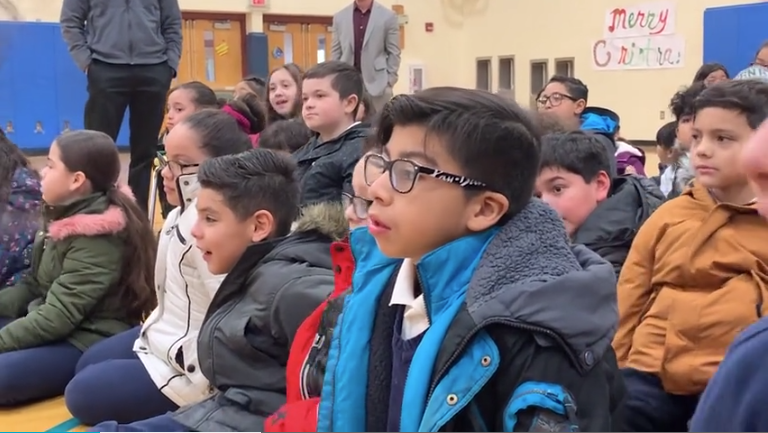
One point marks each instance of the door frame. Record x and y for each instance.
(216, 16)
(297, 19)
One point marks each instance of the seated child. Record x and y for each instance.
(285, 136)
(681, 106)
(249, 114)
(565, 98)
(284, 93)
(629, 159)
(733, 399)
(667, 154)
(693, 279)
(275, 280)
(91, 274)
(251, 85)
(152, 369)
(20, 200)
(309, 352)
(331, 92)
(183, 100)
(599, 212)
(433, 336)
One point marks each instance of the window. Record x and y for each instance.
(483, 74)
(564, 67)
(506, 73)
(539, 77)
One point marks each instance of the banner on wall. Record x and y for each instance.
(639, 37)
(642, 52)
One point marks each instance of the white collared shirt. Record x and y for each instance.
(415, 319)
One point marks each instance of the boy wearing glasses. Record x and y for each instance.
(565, 98)
(469, 310)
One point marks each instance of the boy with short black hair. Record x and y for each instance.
(682, 107)
(599, 212)
(246, 206)
(331, 92)
(693, 279)
(285, 135)
(434, 336)
(669, 154)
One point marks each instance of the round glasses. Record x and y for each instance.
(403, 174)
(359, 204)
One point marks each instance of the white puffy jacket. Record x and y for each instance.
(167, 344)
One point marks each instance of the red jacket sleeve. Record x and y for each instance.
(299, 415)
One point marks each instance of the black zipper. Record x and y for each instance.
(512, 324)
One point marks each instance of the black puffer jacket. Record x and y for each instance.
(610, 229)
(325, 168)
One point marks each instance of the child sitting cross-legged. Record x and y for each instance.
(469, 309)
(695, 275)
(91, 275)
(154, 368)
(246, 206)
(599, 212)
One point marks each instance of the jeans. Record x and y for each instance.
(161, 423)
(648, 408)
(111, 384)
(37, 373)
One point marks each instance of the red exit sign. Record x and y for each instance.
(258, 3)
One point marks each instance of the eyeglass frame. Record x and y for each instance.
(359, 204)
(541, 101)
(455, 179)
(165, 162)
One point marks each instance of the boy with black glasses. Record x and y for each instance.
(469, 310)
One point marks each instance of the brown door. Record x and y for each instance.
(184, 74)
(216, 53)
(287, 44)
(319, 42)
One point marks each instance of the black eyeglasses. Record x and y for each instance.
(403, 174)
(554, 99)
(176, 168)
(359, 204)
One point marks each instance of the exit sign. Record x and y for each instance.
(258, 3)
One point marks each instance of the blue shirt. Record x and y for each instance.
(734, 398)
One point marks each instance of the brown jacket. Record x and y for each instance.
(695, 277)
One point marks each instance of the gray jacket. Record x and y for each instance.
(380, 59)
(245, 339)
(122, 32)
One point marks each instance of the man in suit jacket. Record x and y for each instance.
(367, 35)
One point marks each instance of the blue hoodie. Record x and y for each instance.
(605, 123)
(733, 400)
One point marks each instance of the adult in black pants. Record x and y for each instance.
(130, 50)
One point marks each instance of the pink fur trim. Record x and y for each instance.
(125, 189)
(110, 222)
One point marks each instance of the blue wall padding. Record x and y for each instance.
(257, 54)
(732, 34)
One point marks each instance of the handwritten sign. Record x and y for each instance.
(643, 52)
(642, 20)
